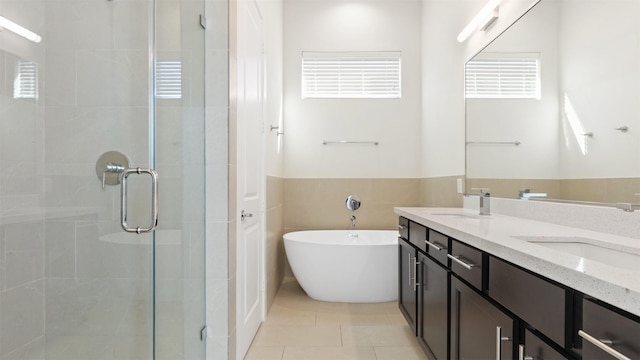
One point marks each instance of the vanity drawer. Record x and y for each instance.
(537, 301)
(403, 228)
(418, 235)
(619, 332)
(438, 246)
(466, 262)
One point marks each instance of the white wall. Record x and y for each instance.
(361, 25)
(272, 14)
(442, 88)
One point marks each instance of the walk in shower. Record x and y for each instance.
(80, 79)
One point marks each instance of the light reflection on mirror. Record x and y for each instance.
(577, 127)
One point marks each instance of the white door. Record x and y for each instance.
(250, 179)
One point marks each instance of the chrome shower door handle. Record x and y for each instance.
(154, 200)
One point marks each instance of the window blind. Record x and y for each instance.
(503, 77)
(25, 85)
(169, 79)
(351, 75)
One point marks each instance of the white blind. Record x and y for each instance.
(25, 85)
(351, 75)
(503, 77)
(169, 79)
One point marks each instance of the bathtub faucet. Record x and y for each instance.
(353, 221)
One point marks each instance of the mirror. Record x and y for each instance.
(577, 138)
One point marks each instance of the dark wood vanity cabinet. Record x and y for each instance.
(464, 303)
(433, 302)
(479, 330)
(407, 292)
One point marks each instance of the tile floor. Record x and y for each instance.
(300, 328)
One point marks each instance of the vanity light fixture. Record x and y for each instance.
(486, 23)
(485, 17)
(19, 30)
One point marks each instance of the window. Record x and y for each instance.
(25, 85)
(503, 76)
(351, 75)
(169, 79)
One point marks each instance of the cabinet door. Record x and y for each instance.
(434, 303)
(479, 330)
(407, 296)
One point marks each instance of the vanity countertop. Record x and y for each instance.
(510, 238)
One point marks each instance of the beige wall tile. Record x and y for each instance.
(275, 256)
(510, 188)
(320, 203)
(606, 190)
(440, 191)
(601, 190)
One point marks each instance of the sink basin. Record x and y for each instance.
(589, 249)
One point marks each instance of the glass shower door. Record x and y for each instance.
(79, 79)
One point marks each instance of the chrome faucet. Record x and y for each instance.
(353, 221)
(485, 200)
(485, 203)
(628, 207)
(526, 194)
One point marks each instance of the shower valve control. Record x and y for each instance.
(110, 166)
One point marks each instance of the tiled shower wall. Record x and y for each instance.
(60, 274)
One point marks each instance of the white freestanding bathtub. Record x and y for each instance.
(345, 266)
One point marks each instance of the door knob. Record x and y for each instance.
(244, 215)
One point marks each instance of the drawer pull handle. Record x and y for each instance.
(465, 265)
(521, 355)
(410, 266)
(401, 227)
(499, 340)
(413, 272)
(415, 275)
(602, 344)
(434, 245)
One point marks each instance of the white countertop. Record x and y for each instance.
(498, 235)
